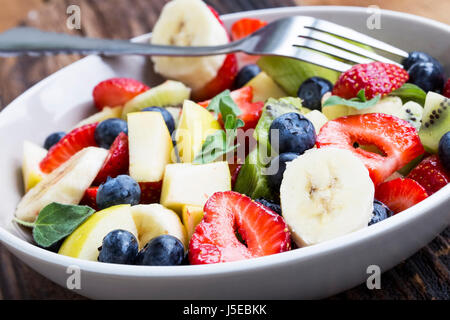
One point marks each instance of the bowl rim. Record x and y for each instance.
(289, 257)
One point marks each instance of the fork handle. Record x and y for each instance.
(31, 41)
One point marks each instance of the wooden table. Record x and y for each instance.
(424, 276)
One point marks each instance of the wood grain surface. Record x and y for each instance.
(424, 276)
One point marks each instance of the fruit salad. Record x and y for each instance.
(236, 157)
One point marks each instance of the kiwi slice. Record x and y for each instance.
(251, 179)
(169, 93)
(412, 112)
(435, 121)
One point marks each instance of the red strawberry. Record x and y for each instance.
(246, 26)
(251, 111)
(150, 192)
(400, 194)
(430, 174)
(224, 80)
(446, 91)
(90, 198)
(116, 92)
(376, 78)
(242, 28)
(396, 138)
(117, 161)
(70, 144)
(226, 213)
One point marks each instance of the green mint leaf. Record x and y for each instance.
(223, 104)
(410, 92)
(56, 221)
(361, 95)
(214, 104)
(215, 145)
(357, 104)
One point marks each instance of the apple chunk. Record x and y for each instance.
(191, 217)
(193, 184)
(150, 146)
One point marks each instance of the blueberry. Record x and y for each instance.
(119, 246)
(246, 74)
(380, 212)
(119, 190)
(53, 139)
(295, 133)
(418, 56)
(170, 122)
(269, 204)
(312, 90)
(163, 250)
(444, 151)
(426, 75)
(276, 169)
(108, 130)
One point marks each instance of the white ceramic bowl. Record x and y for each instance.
(318, 271)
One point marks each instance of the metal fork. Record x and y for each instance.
(299, 37)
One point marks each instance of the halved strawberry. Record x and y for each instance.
(400, 194)
(263, 231)
(70, 144)
(396, 138)
(430, 174)
(251, 111)
(245, 27)
(116, 92)
(90, 198)
(224, 80)
(446, 91)
(376, 78)
(150, 192)
(117, 161)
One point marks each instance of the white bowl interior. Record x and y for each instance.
(60, 101)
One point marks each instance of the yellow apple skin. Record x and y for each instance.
(195, 125)
(191, 217)
(84, 242)
(32, 156)
(193, 184)
(150, 146)
(153, 220)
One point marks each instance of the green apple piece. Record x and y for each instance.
(191, 217)
(106, 113)
(153, 220)
(289, 73)
(193, 184)
(252, 180)
(264, 88)
(195, 125)
(433, 127)
(31, 172)
(150, 146)
(84, 242)
(169, 93)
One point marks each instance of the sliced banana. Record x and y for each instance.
(325, 193)
(153, 220)
(188, 23)
(65, 185)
